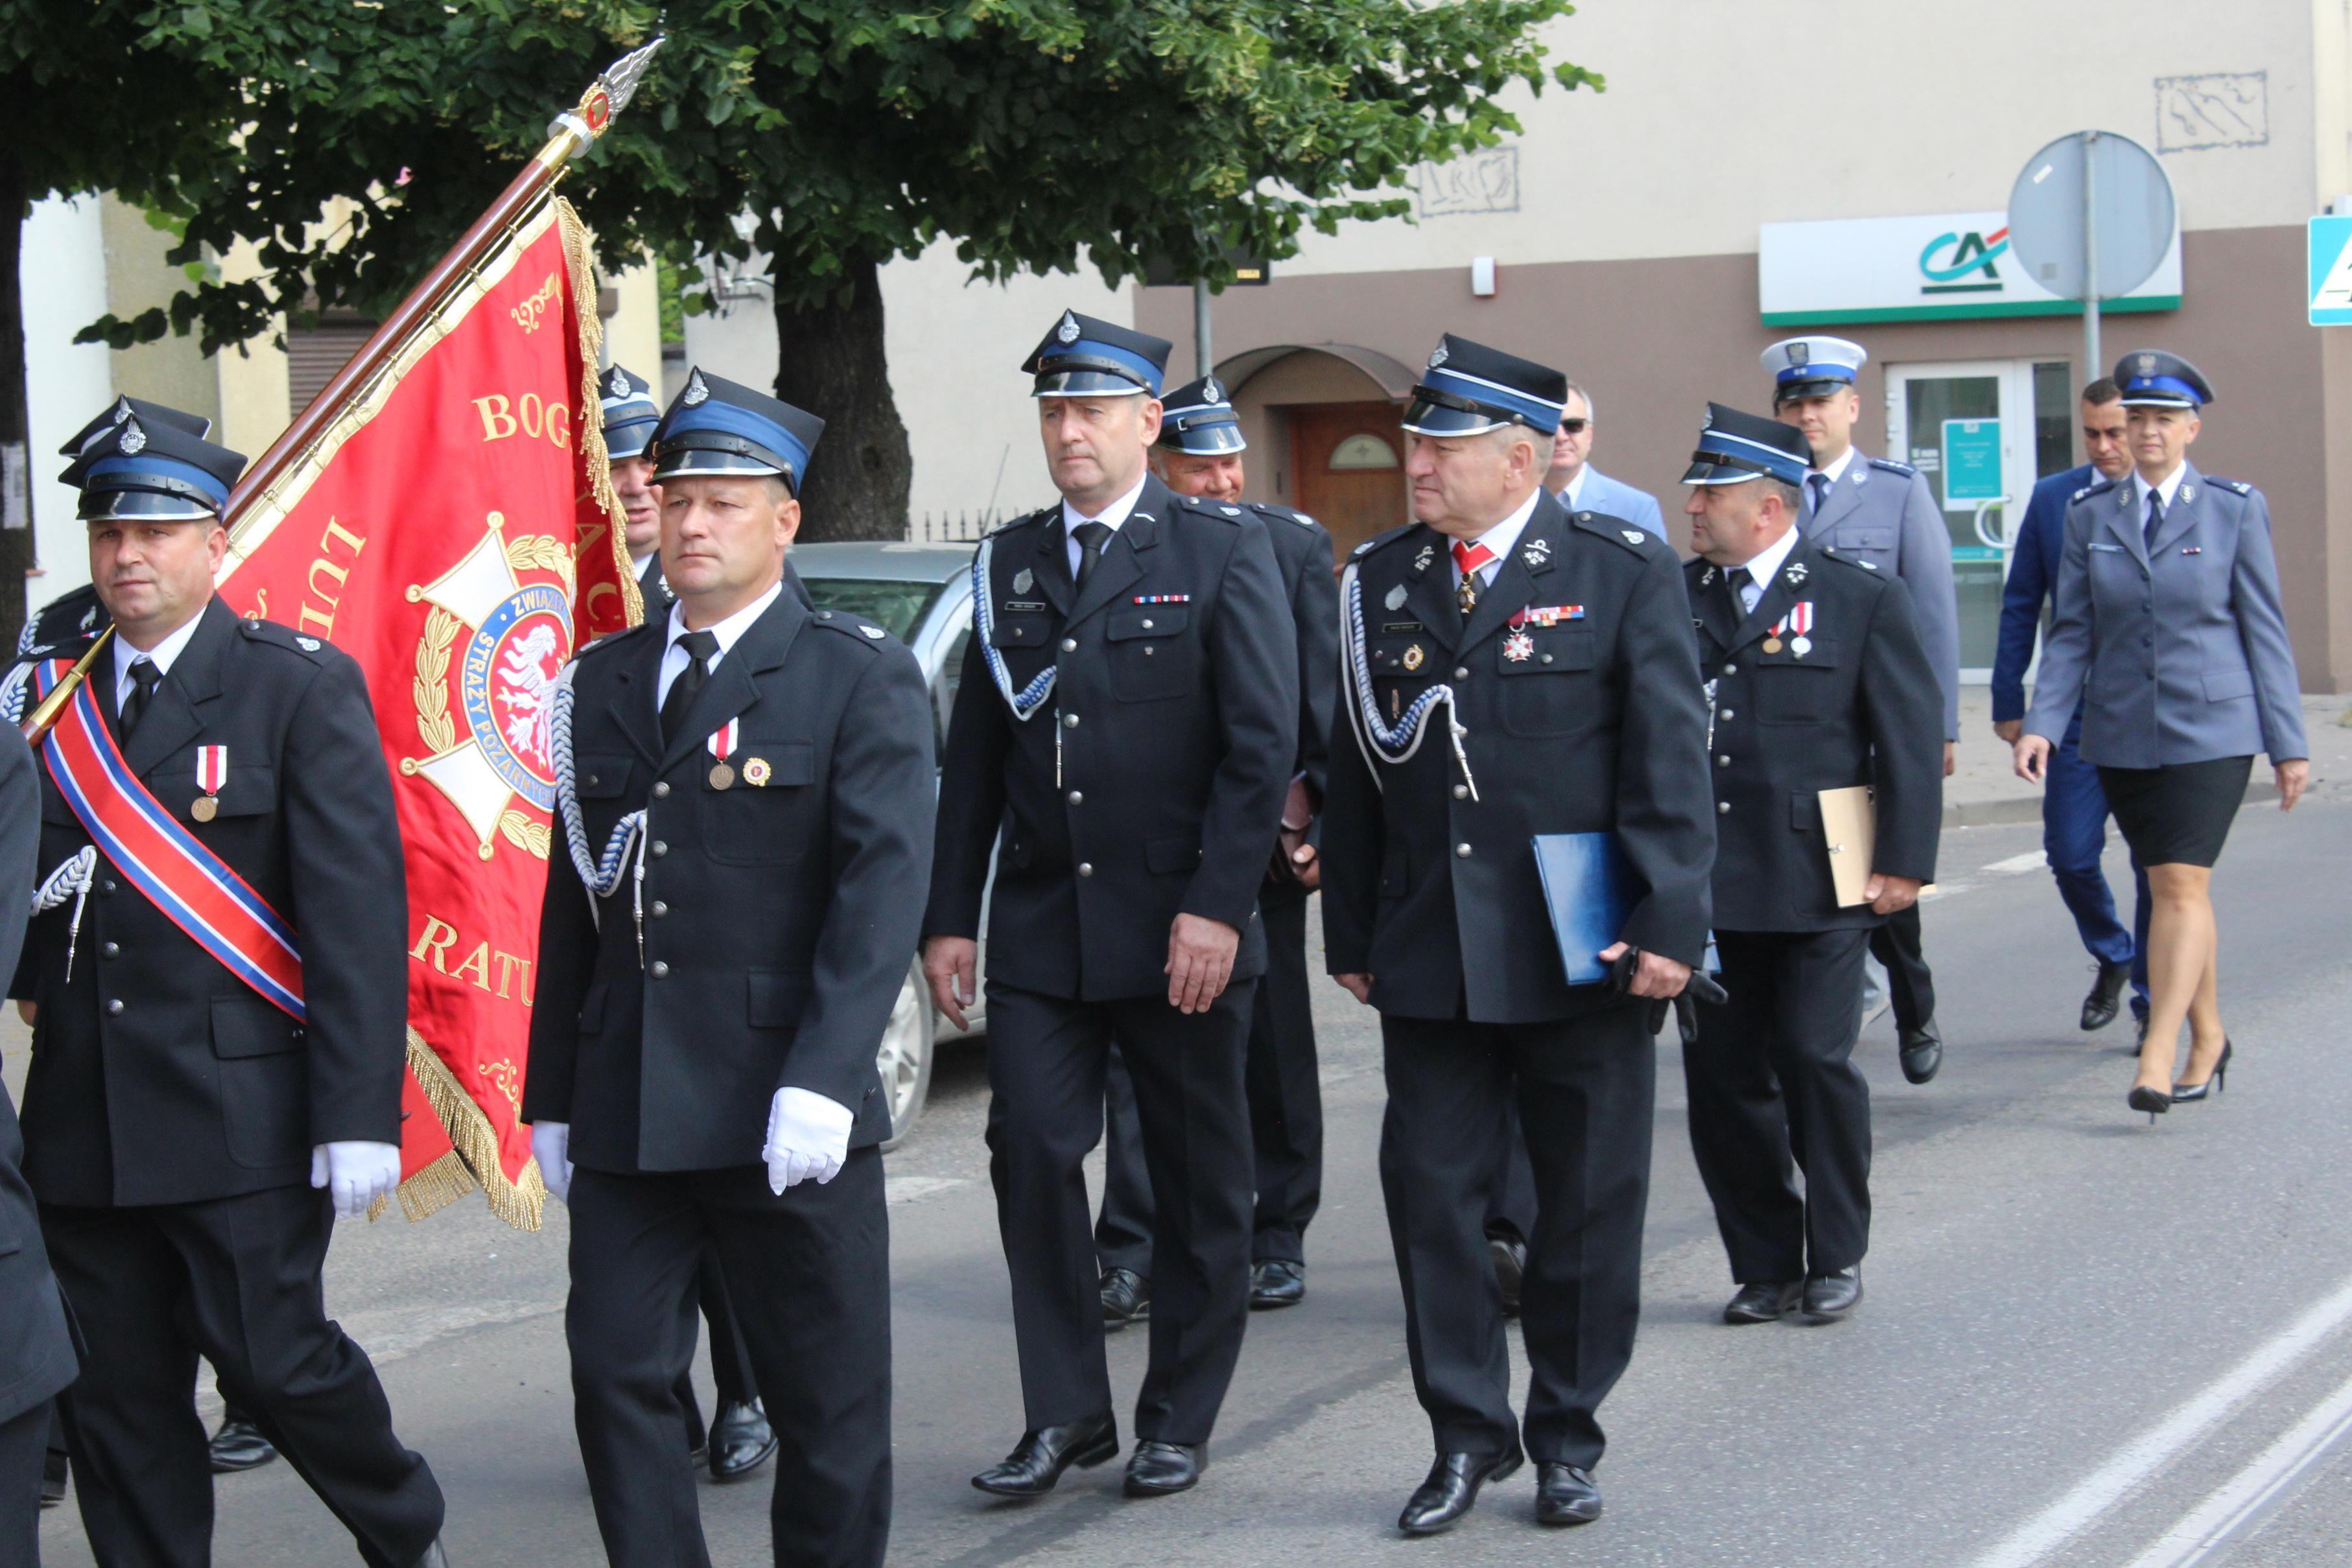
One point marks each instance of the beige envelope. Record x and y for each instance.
(1850, 826)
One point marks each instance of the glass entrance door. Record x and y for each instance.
(1970, 431)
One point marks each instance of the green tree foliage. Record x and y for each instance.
(1035, 134)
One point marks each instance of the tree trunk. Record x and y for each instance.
(17, 555)
(830, 361)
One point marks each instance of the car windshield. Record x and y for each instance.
(896, 606)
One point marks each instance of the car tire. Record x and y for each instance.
(904, 1058)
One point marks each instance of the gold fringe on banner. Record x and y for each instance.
(580, 261)
(474, 1150)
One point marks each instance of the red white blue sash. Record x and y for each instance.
(191, 886)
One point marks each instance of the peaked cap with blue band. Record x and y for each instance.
(1469, 389)
(155, 414)
(1082, 356)
(2151, 378)
(720, 427)
(1198, 419)
(1812, 367)
(152, 467)
(630, 412)
(1735, 447)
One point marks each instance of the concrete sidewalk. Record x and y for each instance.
(1986, 787)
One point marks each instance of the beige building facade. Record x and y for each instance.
(1756, 171)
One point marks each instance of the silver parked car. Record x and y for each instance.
(922, 593)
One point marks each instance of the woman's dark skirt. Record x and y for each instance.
(2178, 815)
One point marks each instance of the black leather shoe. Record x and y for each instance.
(2107, 996)
(239, 1446)
(1037, 1461)
(1765, 1303)
(1921, 1051)
(1440, 1502)
(1565, 1495)
(1831, 1297)
(740, 1441)
(1156, 1469)
(1126, 1299)
(1511, 1259)
(435, 1556)
(1276, 1282)
(53, 1479)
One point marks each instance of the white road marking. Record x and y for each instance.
(2016, 863)
(2050, 1529)
(2221, 1516)
(908, 1189)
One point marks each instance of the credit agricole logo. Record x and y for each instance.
(1961, 262)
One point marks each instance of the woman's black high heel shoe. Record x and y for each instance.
(2155, 1102)
(2182, 1093)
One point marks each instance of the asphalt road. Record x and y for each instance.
(2087, 1340)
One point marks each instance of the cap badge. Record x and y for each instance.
(1067, 331)
(1801, 353)
(1395, 600)
(619, 384)
(1211, 392)
(698, 392)
(134, 440)
(122, 410)
(1437, 356)
(1706, 420)
(1022, 579)
(2147, 364)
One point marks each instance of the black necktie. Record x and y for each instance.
(2154, 519)
(1740, 578)
(145, 676)
(701, 647)
(1820, 483)
(1091, 538)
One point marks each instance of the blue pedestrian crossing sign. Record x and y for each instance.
(2331, 271)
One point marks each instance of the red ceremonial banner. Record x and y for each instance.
(454, 530)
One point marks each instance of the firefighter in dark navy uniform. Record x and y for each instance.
(745, 786)
(1199, 453)
(1819, 680)
(1511, 669)
(180, 1116)
(1122, 741)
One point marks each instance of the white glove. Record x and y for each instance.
(550, 1146)
(360, 1173)
(808, 1137)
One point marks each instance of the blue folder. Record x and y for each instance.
(1588, 889)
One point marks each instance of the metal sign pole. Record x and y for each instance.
(1202, 363)
(2093, 365)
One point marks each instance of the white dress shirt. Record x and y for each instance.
(674, 659)
(1111, 517)
(160, 656)
(2169, 489)
(1500, 538)
(1762, 569)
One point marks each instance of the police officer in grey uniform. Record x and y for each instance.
(1512, 669)
(2169, 634)
(1819, 681)
(1199, 453)
(1881, 511)
(1127, 729)
(745, 789)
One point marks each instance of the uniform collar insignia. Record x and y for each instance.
(1420, 562)
(1796, 573)
(1536, 552)
(2186, 493)
(1707, 577)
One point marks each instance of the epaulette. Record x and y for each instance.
(848, 625)
(611, 638)
(2235, 487)
(1038, 516)
(1377, 540)
(1222, 511)
(2087, 491)
(67, 618)
(1855, 561)
(1640, 541)
(1280, 514)
(1892, 466)
(277, 636)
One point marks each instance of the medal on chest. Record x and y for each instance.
(1796, 624)
(212, 772)
(722, 745)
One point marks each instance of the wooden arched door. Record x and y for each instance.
(1349, 462)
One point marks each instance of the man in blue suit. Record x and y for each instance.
(1581, 486)
(2073, 807)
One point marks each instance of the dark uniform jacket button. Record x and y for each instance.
(658, 970)
(661, 791)
(115, 1006)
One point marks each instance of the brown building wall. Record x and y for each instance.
(1655, 340)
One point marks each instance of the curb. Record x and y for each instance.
(1993, 813)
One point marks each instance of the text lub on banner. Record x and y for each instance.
(454, 530)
